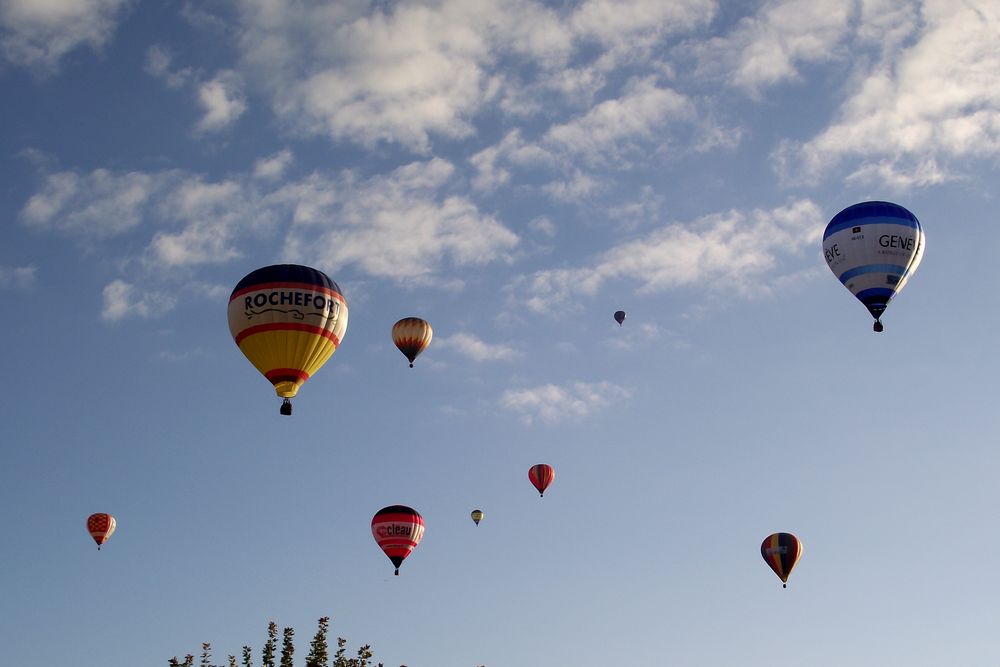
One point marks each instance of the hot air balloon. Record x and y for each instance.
(620, 317)
(477, 516)
(412, 335)
(541, 475)
(397, 530)
(288, 320)
(781, 551)
(873, 248)
(100, 526)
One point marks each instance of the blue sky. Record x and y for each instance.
(514, 173)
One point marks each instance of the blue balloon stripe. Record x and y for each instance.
(875, 295)
(839, 225)
(895, 269)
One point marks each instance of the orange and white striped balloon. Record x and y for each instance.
(412, 335)
(100, 526)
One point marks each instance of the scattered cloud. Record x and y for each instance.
(99, 204)
(934, 98)
(553, 403)
(223, 101)
(405, 73)
(158, 62)
(123, 300)
(472, 347)
(38, 33)
(767, 48)
(273, 167)
(734, 251)
(16, 277)
(402, 225)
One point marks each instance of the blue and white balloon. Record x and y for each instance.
(873, 248)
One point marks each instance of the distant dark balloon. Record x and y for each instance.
(619, 317)
(541, 475)
(477, 516)
(781, 551)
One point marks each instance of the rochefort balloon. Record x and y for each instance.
(288, 320)
(873, 248)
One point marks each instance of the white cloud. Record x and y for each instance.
(733, 251)
(122, 300)
(158, 62)
(273, 167)
(17, 277)
(768, 48)
(398, 226)
(935, 98)
(607, 130)
(404, 225)
(222, 100)
(100, 204)
(472, 347)
(38, 33)
(405, 72)
(553, 403)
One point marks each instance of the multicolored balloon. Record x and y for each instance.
(541, 476)
(873, 248)
(781, 551)
(477, 516)
(412, 335)
(100, 526)
(288, 320)
(620, 317)
(398, 530)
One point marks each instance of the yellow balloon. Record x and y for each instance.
(288, 320)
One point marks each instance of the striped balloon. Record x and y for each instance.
(397, 529)
(412, 335)
(288, 320)
(541, 475)
(100, 526)
(781, 551)
(873, 248)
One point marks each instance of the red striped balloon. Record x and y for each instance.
(100, 526)
(781, 551)
(541, 475)
(398, 530)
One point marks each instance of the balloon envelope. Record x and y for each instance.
(477, 516)
(100, 526)
(620, 317)
(412, 335)
(873, 248)
(541, 475)
(397, 529)
(781, 551)
(288, 320)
